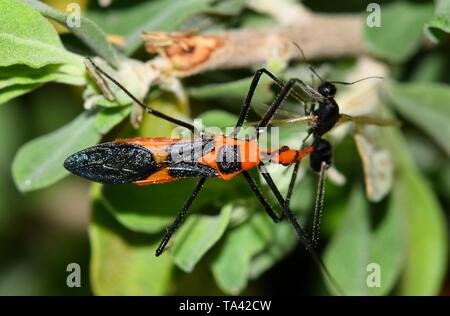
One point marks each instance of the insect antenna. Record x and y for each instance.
(305, 60)
(359, 80)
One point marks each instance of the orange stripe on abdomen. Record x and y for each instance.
(161, 176)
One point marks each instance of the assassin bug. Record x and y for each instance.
(157, 160)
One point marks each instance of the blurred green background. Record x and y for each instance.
(229, 246)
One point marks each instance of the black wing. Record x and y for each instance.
(113, 163)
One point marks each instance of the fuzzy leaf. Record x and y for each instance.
(355, 248)
(197, 235)
(400, 32)
(231, 268)
(425, 223)
(439, 24)
(87, 31)
(28, 38)
(39, 163)
(427, 105)
(124, 262)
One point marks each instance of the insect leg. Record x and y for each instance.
(180, 216)
(292, 183)
(251, 91)
(261, 198)
(281, 97)
(144, 106)
(319, 204)
(299, 229)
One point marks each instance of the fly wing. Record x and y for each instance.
(282, 116)
(113, 163)
(369, 120)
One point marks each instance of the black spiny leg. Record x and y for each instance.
(298, 228)
(292, 183)
(180, 217)
(261, 198)
(319, 204)
(282, 95)
(251, 91)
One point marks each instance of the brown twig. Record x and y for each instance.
(319, 35)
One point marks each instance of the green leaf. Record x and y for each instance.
(388, 244)
(12, 92)
(400, 32)
(110, 117)
(427, 105)
(28, 38)
(347, 253)
(425, 223)
(231, 267)
(39, 163)
(428, 249)
(430, 69)
(439, 24)
(124, 262)
(354, 246)
(58, 73)
(197, 235)
(164, 15)
(88, 31)
(283, 242)
(227, 7)
(233, 92)
(123, 20)
(18, 79)
(213, 119)
(152, 208)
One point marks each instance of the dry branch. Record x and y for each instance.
(319, 35)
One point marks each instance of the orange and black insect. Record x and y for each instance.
(145, 160)
(153, 160)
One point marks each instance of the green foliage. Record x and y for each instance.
(427, 105)
(227, 239)
(29, 39)
(39, 163)
(124, 262)
(197, 236)
(231, 268)
(87, 31)
(439, 24)
(354, 246)
(31, 52)
(151, 211)
(400, 33)
(427, 241)
(160, 15)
